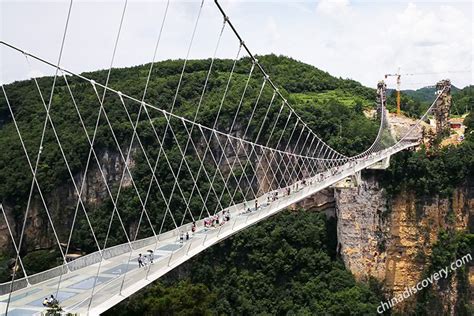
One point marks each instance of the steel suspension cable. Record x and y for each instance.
(189, 139)
(39, 155)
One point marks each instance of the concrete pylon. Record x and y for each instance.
(443, 105)
(381, 96)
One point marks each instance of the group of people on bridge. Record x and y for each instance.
(218, 219)
(51, 303)
(144, 260)
(222, 217)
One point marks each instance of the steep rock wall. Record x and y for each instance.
(61, 203)
(389, 238)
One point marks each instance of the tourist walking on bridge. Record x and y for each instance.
(151, 255)
(140, 260)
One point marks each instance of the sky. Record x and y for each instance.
(356, 39)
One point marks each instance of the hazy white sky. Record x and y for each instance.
(355, 39)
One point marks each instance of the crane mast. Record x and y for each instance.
(398, 75)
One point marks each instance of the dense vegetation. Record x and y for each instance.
(438, 172)
(349, 131)
(434, 171)
(286, 265)
(451, 245)
(409, 106)
(283, 266)
(462, 102)
(426, 94)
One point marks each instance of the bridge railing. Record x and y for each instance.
(235, 223)
(17, 285)
(81, 262)
(108, 253)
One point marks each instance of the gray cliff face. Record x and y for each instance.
(62, 203)
(95, 190)
(322, 201)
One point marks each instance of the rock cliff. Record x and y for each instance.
(62, 202)
(380, 236)
(389, 238)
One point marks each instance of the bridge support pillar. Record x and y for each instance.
(381, 165)
(358, 178)
(349, 182)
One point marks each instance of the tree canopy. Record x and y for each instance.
(283, 266)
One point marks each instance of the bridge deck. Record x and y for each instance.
(114, 285)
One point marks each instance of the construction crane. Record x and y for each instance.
(398, 75)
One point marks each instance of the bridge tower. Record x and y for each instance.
(443, 105)
(381, 96)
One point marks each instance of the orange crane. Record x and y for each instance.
(398, 75)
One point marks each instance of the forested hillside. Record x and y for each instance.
(284, 266)
(288, 265)
(426, 94)
(437, 170)
(342, 124)
(462, 102)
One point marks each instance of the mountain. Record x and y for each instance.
(296, 263)
(415, 102)
(463, 99)
(348, 131)
(426, 94)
